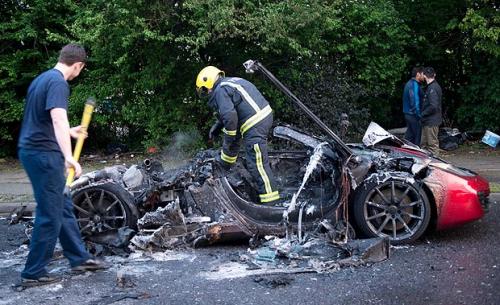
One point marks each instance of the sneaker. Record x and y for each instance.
(90, 265)
(41, 281)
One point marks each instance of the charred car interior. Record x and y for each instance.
(383, 188)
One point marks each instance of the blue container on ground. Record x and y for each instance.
(491, 138)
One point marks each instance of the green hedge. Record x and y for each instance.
(350, 56)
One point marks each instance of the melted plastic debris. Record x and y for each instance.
(282, 256)
(169, 215)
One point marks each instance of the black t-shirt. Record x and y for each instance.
(48, 91)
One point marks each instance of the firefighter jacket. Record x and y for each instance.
(240, 107)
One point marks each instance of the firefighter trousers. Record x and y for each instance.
(255, 141)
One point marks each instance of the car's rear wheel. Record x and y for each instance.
(394, 208)
(102, 208)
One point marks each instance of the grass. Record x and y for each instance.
(494, 187)
(9, 164)
(477, 147)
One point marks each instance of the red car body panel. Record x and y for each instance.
(458, 199)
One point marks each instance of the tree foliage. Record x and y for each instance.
(336, 55)
(460, 40)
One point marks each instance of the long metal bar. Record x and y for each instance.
(253, 65)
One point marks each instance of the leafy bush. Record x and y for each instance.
(338, 56)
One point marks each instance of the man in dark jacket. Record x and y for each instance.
(412, 98)
(44, 149)
(243, 113)
(431, 112)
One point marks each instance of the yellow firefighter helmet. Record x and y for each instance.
(207, 78)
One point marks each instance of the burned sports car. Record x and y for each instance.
(384, 187)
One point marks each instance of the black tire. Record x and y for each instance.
(104, 207)
(393, 208)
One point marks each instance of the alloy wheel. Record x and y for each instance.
(98, 210)
(395, 209)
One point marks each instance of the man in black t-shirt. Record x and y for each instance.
(44, 149)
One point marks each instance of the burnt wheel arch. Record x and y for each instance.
(393, 208)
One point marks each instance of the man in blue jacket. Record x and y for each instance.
(412, 99)
(244, 113)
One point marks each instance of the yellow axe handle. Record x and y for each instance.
(87, 115)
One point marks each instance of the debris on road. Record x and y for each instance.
(273, 282)
(111, 299)
(124, 280)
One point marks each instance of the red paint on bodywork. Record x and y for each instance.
(457, 197)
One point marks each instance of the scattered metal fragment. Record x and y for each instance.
(273, 282)
(106, 300)
(169, 215)
(19, 214)
(117, 238)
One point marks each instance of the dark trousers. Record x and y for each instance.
(413, 129)
(54, 213)
(255, 141)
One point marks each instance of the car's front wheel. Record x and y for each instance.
(393, 208)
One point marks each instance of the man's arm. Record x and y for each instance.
(416, 98)
(62, 133)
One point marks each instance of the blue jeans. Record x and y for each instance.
(413, 129)
(54, 213)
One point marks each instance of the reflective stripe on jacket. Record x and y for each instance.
(240, 107)
(239, 104)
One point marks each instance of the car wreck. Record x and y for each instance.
(384, 188)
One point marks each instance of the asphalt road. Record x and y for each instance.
(453, 267)
(459, 266)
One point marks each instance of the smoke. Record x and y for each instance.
(183, 145)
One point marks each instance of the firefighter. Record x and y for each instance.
(242, 113)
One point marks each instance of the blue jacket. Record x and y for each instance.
(412, 98)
